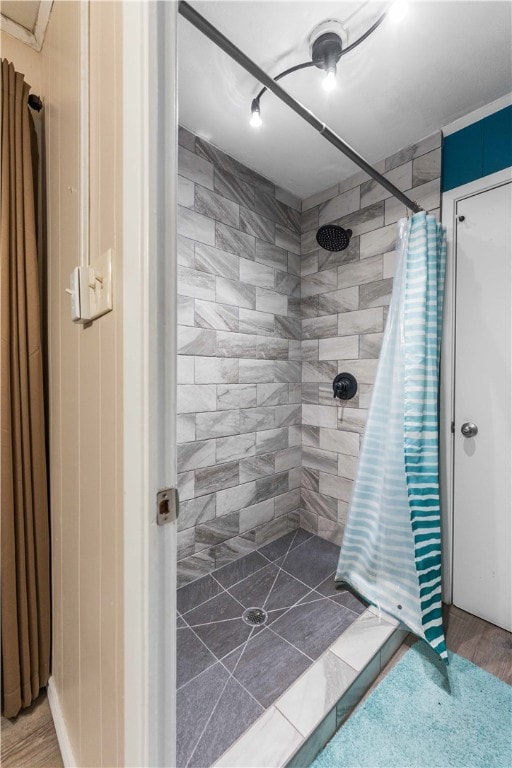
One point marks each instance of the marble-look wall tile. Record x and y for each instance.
(234, 188)
(320, 327)
(378, 241)
(271, 440)
(216, 262)
(235, 447)
(414, 150)
(316, 458)
(256, 274)
(233, 396)
(236, 345)
(222, 317)
(426, 167)
(216, 478)
(342, 300)
(352, 419)
(271, 301)
(185, 192)
(256, 467)
(186, 139)
(217, 530)
(194, 398)
(319, 416)
(273, 485)
(195, 226)
(185, 369)
(361, 321)
(256, 371)
(216, 207)
(336, 488)
(195, 168)
(320, 505)
(258, 226)
(257, 514)
(234, 499)
(216, 371)
(288, 239)
(252, 321)
(338, 348)
(234, 241)
(370, 345)
(196, 511)
(217, 424)
(185, 427)
(196, 341)
(339, 206)
(196, 285)
(235, 293)
(195, 455)
(360, 272)
(186, 308)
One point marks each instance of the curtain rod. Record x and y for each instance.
(213, 34)
(35, 102)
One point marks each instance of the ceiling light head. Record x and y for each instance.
(326, 51)
(256, 120)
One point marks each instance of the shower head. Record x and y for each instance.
(331, 237)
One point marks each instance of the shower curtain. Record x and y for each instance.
(25, 569)
(391, 550)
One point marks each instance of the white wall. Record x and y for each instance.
(85, 383)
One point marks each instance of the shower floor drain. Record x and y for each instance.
(255, 616)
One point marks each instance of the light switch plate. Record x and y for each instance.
(99, 287)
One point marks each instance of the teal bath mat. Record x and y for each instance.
(425, 714)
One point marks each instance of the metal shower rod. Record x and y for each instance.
(213, 34)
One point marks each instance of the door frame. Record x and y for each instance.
(450, 200)
(149, 393)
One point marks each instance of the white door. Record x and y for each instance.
(482, 552)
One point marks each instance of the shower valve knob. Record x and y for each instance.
(344, 386)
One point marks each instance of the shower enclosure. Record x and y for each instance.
(268, 650)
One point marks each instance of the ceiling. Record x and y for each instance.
(406, 81)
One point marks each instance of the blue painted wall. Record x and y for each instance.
(477, 150)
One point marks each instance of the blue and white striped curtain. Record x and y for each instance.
(391, 551)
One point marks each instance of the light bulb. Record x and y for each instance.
(256, 120)
(398, 10)
(255, 114)
(329, 81)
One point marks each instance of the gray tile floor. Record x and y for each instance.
(229, 672)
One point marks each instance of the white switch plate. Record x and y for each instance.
(97, 286)
(74, 292)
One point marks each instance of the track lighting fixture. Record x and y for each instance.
(327, 46)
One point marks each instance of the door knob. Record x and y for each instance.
(469, 429)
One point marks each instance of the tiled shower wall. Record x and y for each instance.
(344, 304)
(239, 369)
(260, 310)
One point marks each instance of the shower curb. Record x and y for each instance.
(291, 732)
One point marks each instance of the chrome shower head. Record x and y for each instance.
(331, 237)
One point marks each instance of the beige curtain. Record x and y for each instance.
(24, 498)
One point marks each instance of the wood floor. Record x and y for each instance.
(29, 741)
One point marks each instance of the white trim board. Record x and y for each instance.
(478, 114)
(66, 751)
(33, 39)
(447, 404)
(149, 307)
